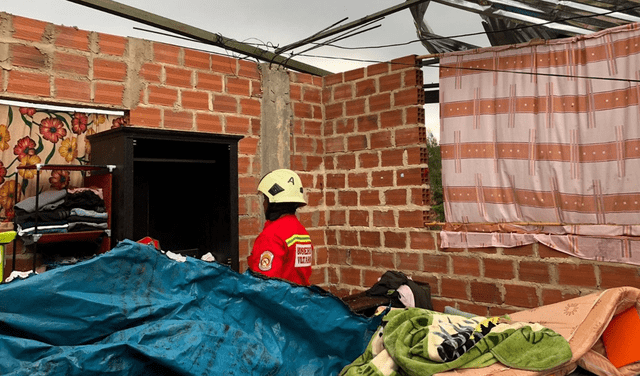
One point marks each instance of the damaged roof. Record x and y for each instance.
(510, 21)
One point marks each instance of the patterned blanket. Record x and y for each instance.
(416, 342)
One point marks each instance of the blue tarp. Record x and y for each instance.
(134, 311)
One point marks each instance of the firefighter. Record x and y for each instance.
(283, 249)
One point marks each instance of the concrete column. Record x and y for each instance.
(276, 119)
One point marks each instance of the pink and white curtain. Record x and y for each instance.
(541, 142)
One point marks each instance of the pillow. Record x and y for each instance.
(622, 338)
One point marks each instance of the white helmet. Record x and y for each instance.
(282, 185)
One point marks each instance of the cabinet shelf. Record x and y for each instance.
(101, 177)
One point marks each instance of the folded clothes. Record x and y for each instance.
(88, 213)
(46, 200)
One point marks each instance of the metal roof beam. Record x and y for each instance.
(373, 17)
(198, 34)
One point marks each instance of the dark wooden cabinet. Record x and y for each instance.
(178, 187)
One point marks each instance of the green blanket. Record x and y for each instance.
(416, 341)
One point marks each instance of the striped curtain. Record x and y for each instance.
(541, 142)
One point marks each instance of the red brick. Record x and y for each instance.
(357, 180)
(350, 276)
(238, 86)
(334, 111)
(248, 226)
(498, 269)
(178, 77)
(248, 69)
(346, 161)
(410, 176)
(380, 102)
(524, 251)
(404, 63)
(369, 198)
(408, 261)
(250, 107)
(244, 167)
(485, 292)
(368, 160)
(377, 69)
(112, 44)
(435, 263)
(313, 162)
(341, 92)
(211, 82)
(196, 59)
(520, 296)
(334, 144)
(302, 110)
(332, 79)
(618, 276)
(71, 63)
(367, 123)
(348, 198)
(422, 240)
(73, 38)
(392, 158)
(395, 197)
(370, 239)
(146, 117)
(247, 185)
(546, 252)
(312, 95)
(151, 72)
(337, 217)
(465, 266)
(249, 146)
(237, 125)
(195, 100)
(162, 96)
(223, 65)
(408, 137)
(382, 178)
(411, 218)
(395, 239)
(356, 143)
(72, 89)
(164, 53)
(487, 250)
(109, 93)
(28, 83)
(384, 218)
(408, 97)
(223, 103)
(551, 296)
(382, 260)
(358, 218)
(365, 87)
(354, 74)
(391, 119)
(355, 107)
(576, 275)
(381, 140)
(454, 288)
(335, 181)
(27, 56)
(390, 82)
(28, 29)
(359, 257)
(178, 120)
(348, 238)
(533, 271)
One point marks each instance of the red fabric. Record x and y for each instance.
(272, 257)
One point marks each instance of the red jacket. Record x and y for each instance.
(283, 250)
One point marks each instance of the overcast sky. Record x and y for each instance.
(273, 23)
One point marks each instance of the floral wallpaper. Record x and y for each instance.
(29, 136)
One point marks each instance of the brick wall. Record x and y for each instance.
(357, 139)
(161, 85)
(373, 201)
